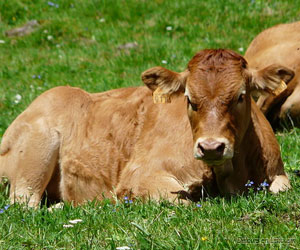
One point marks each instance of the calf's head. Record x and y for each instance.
(217, 86)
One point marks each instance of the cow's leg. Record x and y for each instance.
(277, 178)
(156, 187)
(71, 177)
(290, 109)
(275, 174)
(80, 181)
(35, 159)
(169, 188)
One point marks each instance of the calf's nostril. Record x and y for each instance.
(220, 148)
(201, 148)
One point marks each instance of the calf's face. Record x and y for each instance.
(217, 90)
(217, 85)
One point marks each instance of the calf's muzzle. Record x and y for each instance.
(211, 150)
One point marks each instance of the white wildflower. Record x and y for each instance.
(241, 49)
(164, 62)
(49, 37)
(67, 226)
(18, 98)
(2, 41)
(75, 221)
(102, 20)
(45, 31)
(123, 248)
(169, 28)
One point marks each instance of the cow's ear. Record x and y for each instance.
(164, 82)
(269, 79)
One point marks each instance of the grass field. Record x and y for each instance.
(81, 43)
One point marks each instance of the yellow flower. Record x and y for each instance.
(203, 238)
(14, 19)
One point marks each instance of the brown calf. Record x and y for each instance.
(230, 134)
(279, 45)
(79, 146)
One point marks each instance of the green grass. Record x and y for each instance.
(77, 44)
(272, 221)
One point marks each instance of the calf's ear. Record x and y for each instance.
(271, 78)
(164, 82)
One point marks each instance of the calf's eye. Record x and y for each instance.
(193, 105)
(241, 98)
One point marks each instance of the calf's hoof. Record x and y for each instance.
(281, 183)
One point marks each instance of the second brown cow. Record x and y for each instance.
(279, 45)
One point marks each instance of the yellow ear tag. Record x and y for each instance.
(160, 97)
(282, 86)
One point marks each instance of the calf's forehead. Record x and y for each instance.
(219, 58)
(216, 73)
